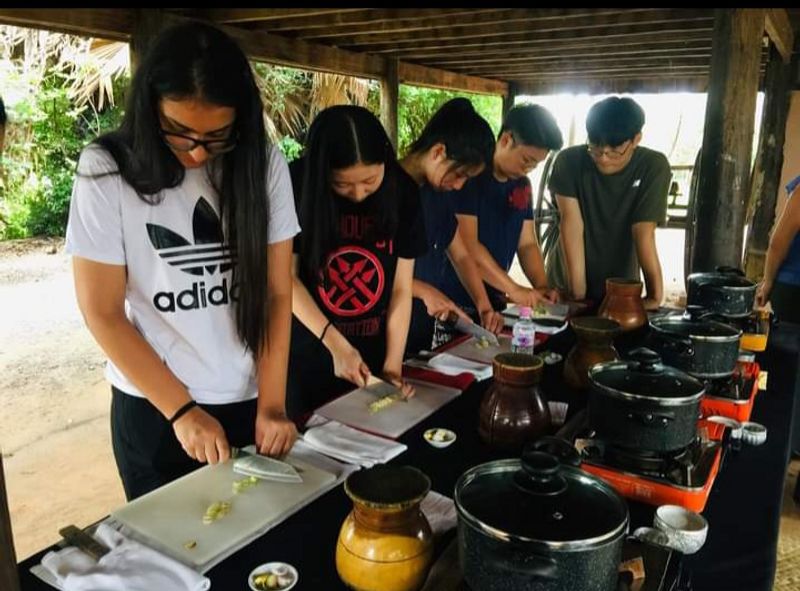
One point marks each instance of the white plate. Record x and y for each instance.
(280, 569)
(450, 437)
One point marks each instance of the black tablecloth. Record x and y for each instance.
(743, 510)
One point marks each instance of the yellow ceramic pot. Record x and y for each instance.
(385, 543)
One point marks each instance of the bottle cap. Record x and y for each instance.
(525, 312)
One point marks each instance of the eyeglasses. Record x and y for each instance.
(185, 143)
(598, 151)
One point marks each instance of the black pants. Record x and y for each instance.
(311, 381)
(147, 452)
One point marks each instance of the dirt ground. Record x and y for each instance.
(54, 401)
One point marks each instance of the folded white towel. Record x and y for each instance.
(128, 566)
(351, 445)
(451, 365)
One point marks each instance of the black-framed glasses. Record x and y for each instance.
(612, 154)
(185, 143)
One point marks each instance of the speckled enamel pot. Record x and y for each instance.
(538, 525)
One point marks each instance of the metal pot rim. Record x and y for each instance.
(510, 465)
(657, 324)
(633, 397)
(694, 277)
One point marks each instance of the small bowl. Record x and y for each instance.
(283, 571)
(439, 437)
(685, 529)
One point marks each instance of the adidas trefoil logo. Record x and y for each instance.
(209, 250)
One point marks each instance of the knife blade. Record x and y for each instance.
(475, 330)
(74, 536)
(263, 467)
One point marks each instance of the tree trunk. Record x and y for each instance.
(9, 579)
(390, 92)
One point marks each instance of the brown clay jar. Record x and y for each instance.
(513, 410)
(595, 345)
(623, 303)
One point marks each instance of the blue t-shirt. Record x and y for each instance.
(441, 225)
(789, 271)
(501, 209)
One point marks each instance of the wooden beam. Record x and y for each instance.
(611, 85)
(665, 63)
(765, 181)
(147, 24)
(423, 76)
(463, 23)
(532, 39)
(390, 93)
(724, 167)
(597, 26)
(509, 99)
(244, 15)
(9, 578)
(108, 23)
(338, 21)
(779, 29)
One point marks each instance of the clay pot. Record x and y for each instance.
(513, 410)
(385, 543)
(623, 303)
(595, 345)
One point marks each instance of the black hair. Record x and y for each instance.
(613, 121)
(3, 116)
(467, 137)
(340, 137)
(198, 61)
(533, 125)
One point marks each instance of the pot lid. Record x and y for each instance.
(644, 377)
(554, 505)
(696, 326)
(723, 278)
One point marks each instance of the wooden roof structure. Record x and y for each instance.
(487, 50)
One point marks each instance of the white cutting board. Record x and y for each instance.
(469, 349)
(170, 516)
(394, 420)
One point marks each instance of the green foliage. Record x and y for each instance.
(417, 105)
(290, 147)
(45, 136)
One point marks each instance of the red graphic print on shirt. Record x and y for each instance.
(355, 281)
(520, 197)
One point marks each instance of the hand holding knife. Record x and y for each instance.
(468, 327)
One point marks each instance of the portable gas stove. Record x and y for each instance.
(683, 477)
(732, 397)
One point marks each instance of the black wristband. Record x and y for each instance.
(324, 330)
(182, 411)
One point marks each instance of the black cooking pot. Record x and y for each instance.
(538, 525)
(642, 404)
(727, 292)
(696, 344)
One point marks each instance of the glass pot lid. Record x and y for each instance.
(554, 505)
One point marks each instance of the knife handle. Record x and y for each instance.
(74, 536)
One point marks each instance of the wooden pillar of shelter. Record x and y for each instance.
(764, 184)
(724, 175)
(148, 22)
(9, 580)
(390, 93)
(509, 98)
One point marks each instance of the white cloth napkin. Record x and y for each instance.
(351, 445)
(451, 365)
(129, 566)
(440, 512)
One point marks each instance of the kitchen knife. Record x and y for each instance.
(74, 536)
(473, 329)
(263, 467)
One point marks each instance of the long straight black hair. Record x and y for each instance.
(198, 61)
(341, 137)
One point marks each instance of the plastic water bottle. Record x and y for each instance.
(523, 333)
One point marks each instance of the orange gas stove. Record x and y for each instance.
(733, 397)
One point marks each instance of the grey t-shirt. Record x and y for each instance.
(610, 205)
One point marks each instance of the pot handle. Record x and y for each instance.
(558, 447)
(539, 473)
(645, 360)
(651, 419)
(635, 568)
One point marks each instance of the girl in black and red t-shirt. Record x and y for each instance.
(353, 266)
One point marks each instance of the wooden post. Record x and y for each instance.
(727, 138)
(390, 91)
(509, 98)
(9, 578)
(148, 22)
(764, 185)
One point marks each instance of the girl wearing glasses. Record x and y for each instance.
(354, 261)
(180, 228)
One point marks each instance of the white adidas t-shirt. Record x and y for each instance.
(179, 287)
